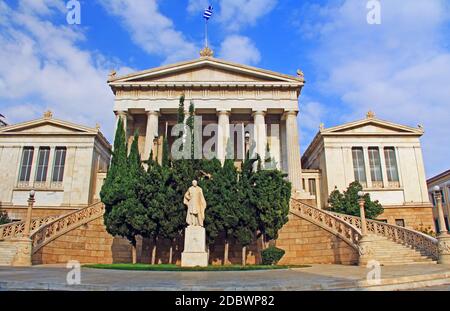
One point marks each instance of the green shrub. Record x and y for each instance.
(272, 255)
(4, 219)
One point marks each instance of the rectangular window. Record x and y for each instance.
(27, 161)
(391, 164)
(58, 167)
(312, 186)
(358, 165)
(400, 222)
(375, 164)
(42, 166)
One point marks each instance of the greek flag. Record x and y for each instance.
(208, 13)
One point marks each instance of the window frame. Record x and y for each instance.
(43, 177)
(374, 165)
(362, 166)
(58, 166)
(29, 165)
(391, 162)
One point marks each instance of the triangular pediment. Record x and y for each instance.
(206, 70)
(46, 126)
(372, 126)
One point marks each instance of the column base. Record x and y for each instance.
(365, 248)
(444, 248)
(23, 254)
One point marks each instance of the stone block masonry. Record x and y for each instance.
(304, 243)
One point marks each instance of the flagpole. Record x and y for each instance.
(206, 33)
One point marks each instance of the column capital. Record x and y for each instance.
(258, 112)
(121, 112)
(289, 113)
(152, 112)
(223, 112)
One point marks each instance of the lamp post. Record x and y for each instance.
(443, 236)
(441, 219)
(30, 201)
(366, 243)
(361, 202)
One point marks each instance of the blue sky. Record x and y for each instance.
(400, 69)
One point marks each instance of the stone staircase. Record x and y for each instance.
(388, 252)
(7, 253)
(392, 245)
(42, 231)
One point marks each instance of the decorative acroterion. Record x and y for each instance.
(48, 114)
(370, 114)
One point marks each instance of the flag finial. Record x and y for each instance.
(206, 52)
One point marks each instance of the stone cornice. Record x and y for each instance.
(208, 61)
(180, 85)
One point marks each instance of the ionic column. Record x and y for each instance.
(318, 193)
(122, 115)
(260, 133)
(223, 134)
(293, 152)
(151, 133)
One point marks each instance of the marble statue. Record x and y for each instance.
(196, 205)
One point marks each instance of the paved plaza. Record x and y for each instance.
(316, 277)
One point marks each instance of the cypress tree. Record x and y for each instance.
(213, 220)
(165, 153)
(247, 225)
(119, 192)
(181, 115)
(270, 196)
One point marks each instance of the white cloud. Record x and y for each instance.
(239, 49)
(196, 7)
(235, 14)
(151, 30)
(42, 68)
(400, 69)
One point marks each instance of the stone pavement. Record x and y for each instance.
(316, 277)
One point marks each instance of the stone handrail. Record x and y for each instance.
(16, 229)
(64, 224)
(326, 220)
(414, 239)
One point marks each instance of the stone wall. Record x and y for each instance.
(307, 243)
(413, 216)
(303, 242)
(89, 243)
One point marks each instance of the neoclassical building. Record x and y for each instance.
(441, 180)
(66, 163)
(231, 95)
(386, 158)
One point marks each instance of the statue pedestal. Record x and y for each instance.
(194, 254)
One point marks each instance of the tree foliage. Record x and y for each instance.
(150, 203)
(4, 219)
(347, 202)
(270, 194)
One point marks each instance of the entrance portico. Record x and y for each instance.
(237, 98)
